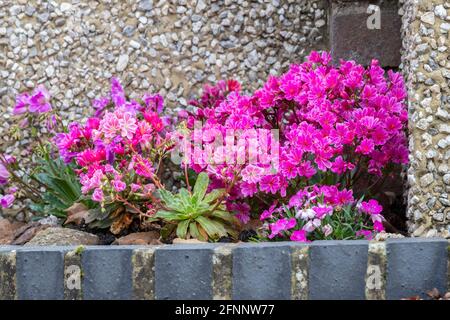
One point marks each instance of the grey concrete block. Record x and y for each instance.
(107, 273)
(40, 273)
(262, 271)
(351, 39)
(184, 272)
(338, 269)
(415, 266)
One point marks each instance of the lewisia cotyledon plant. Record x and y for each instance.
(336, 125)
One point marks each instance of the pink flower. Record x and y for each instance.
(281, 225)
(371, 207)
(366, 146)
(270, 184)
(6, 201)
(128, 125)
(327, 230)
(110, 125)
(365, 233)
(268, 213)
(4, 174)
(378, 226)
(22, 103)
(299, 235)
(118, 185)
(135, 187)
(322, 211)
(39, 101)
(252, 174)
(98, 195)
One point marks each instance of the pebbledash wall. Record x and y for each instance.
(174, 47)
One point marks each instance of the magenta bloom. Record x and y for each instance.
(6, 201)
(371, 207)
(39, 101)
(4, 174)
(299, 235)
(118, 185)
(98, 195)
(22, 103)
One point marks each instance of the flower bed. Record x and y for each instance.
(395, 269)
(304, 158)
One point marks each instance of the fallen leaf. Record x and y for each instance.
(121, 223)
(77, 213)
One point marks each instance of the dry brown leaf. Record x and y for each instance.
(76, 213)
(121, 223)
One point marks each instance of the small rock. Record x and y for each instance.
(440, 11)
(65, 6)
(428, 18)
(50, 71)
(447, 179)
(383, 236)
(7, 230)
(139, 238)
(122, 62)
(63, 237)
(145, 5)
(426, 180)
(186, 241)
(27, 232)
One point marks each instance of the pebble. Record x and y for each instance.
(122, 62)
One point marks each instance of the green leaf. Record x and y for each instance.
(166, 196)
(213, 228)
(193, 230)
(224, 215)
(214, 195)
(182, 229)
(167, 215)
(201, 185)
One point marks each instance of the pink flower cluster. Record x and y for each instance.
(313, 211)
(6, 200)
(336, 125)
(117, 152)
(37, 102)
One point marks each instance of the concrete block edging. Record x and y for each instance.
(395, 269)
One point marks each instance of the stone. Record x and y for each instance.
(440, 11)
(145, 5)
(426, 180)
(352, 39)
(428, 18)
(122, 62)
(7, 230)
(50, 71)
(187, 241)
(27, 232)
(56, 236)
(446, 179)
(139, 238)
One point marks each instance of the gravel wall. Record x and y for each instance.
(426, 66)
